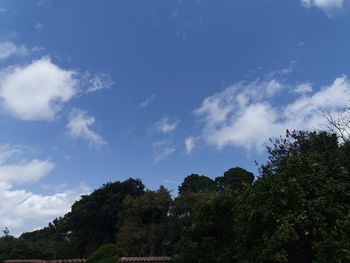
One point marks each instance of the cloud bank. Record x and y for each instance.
(248, 114)
(22, 210)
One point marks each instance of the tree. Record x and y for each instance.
(299, 208)
(210, 236)
(94, 217)
(143, 224)
(108, 253)
(339, 124)
(195, 183)
(234, 178)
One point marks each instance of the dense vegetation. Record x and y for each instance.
(296, 210)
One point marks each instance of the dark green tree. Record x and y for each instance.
(234, 178)
(143, 225)
(195, 183)
(108, 253)
(94, 217)
(299, 209)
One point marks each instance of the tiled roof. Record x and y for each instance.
(145, 259)
(123, 259)
(75, 260)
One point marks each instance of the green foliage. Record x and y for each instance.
(95, 216)
(234, 178)
(13, 248)
(195, 183)
(55, 237)
(298, 210)
(108, 253)
(143, 223)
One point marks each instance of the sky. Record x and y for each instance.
(98, 91)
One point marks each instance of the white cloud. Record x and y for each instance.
(325, 5)
(36, 91)
(22, 210)
(248, 114)
(162, 149)
(38, 26)
(147, 101)
(303, 88)
(98, 82)
(8, 49)
(14, 169)
(79, 127)
(26, 171)
(190, 144)
(165, 125)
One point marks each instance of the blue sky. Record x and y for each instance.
(98, 91)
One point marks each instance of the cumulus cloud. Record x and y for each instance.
(248, 114)
(165, 125)
(22, 210)
(325, 5)
(39, 90)
(8, 49)
(79, 127)
(162, 149)
(36, 91)
(147, 101)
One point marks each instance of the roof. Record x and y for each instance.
(146, 259)
(123, 259)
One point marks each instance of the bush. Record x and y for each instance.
(108, 253)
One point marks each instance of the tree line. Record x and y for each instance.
(297, 209)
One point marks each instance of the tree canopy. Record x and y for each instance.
(296, 210)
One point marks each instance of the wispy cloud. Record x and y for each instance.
(162, 149)
(146, 102)
(303, 88)
(165, 125)
(190, 144)
(248, 114)
(328, 6)
(79, 127)
(98, 82)
(38, 26)
(8, 49)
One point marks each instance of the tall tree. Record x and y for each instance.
(234, 178)
(95, 216)
(299, 209)
(195, 183)
(143, 223)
